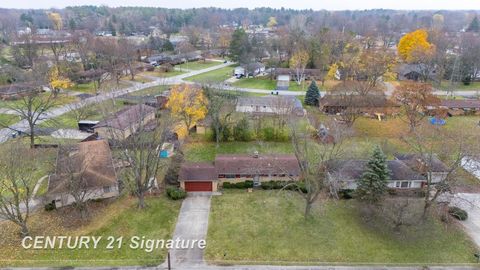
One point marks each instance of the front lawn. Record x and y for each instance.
(206, 151)
(214, 76)
(8, 119)
(198, 65)
(267, 84)
(267, 227)
(473, 86)
(60, 100)
(120, 218)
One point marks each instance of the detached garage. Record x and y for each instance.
(198, 177)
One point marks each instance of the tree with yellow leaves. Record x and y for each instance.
(188, 104)
(56, 20)
(58, 81)
(299, 62)
(413, 44)
(272, 22)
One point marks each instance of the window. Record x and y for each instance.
(221, 176)
(230, 176)
(403, 184)
(107, 189)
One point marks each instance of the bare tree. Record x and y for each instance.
(80, 110)
(141, 151)
(316, 160)
(220, 106)
(75, 166)
(17, 181)
(33, 108)
(455, 147)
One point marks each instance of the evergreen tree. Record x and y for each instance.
(240, 45)
(373, 184)
(474, 25)
(312, 96)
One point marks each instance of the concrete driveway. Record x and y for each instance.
(192, 224)
(470, 202)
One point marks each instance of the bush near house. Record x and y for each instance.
(175, 193)
(238, 185)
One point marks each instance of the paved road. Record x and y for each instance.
(5, 134)
(473, 94)
(192, 224)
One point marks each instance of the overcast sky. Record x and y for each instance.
(296, 4)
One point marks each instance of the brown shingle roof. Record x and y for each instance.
(371, 101)
(263, 164)
(197, 172)
(18, 88)
(460, 103)
(91, 160)
(124, 118)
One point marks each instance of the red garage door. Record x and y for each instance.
(198, 186)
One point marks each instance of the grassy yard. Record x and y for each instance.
(214, 76)
(120, 218)
(8, 119)
(267, 84)
(162, 74)
(95, 112)
(197, 65)
(267, 227)
(60, 100)
(473, 86)
(206, 151)
(87, 88)
(151, 91)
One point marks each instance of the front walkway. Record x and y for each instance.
(192, 224)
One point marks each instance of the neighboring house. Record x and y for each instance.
(270, 105)
(238, 168)
(89, 162)
(15, 91)
(283, 82)
(347, 173)
(413, 72)
(472, 165)
(429, 166)
(249, 70)
(373, 104)
(310, 74)
(125, 122)
(460, 106)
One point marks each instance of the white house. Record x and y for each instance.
(270, 105)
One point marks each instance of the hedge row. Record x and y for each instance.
(239, 185)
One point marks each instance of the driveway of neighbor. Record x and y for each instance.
(192, 224)
(470, 202)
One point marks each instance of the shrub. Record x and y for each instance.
(346, 193)
(50, 206)
(458, 213)
(284, 184)
(241, 131)
(175, 193)
(239, 185)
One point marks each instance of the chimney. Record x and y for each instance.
(255, 154)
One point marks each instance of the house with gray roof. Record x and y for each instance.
(348, 172)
